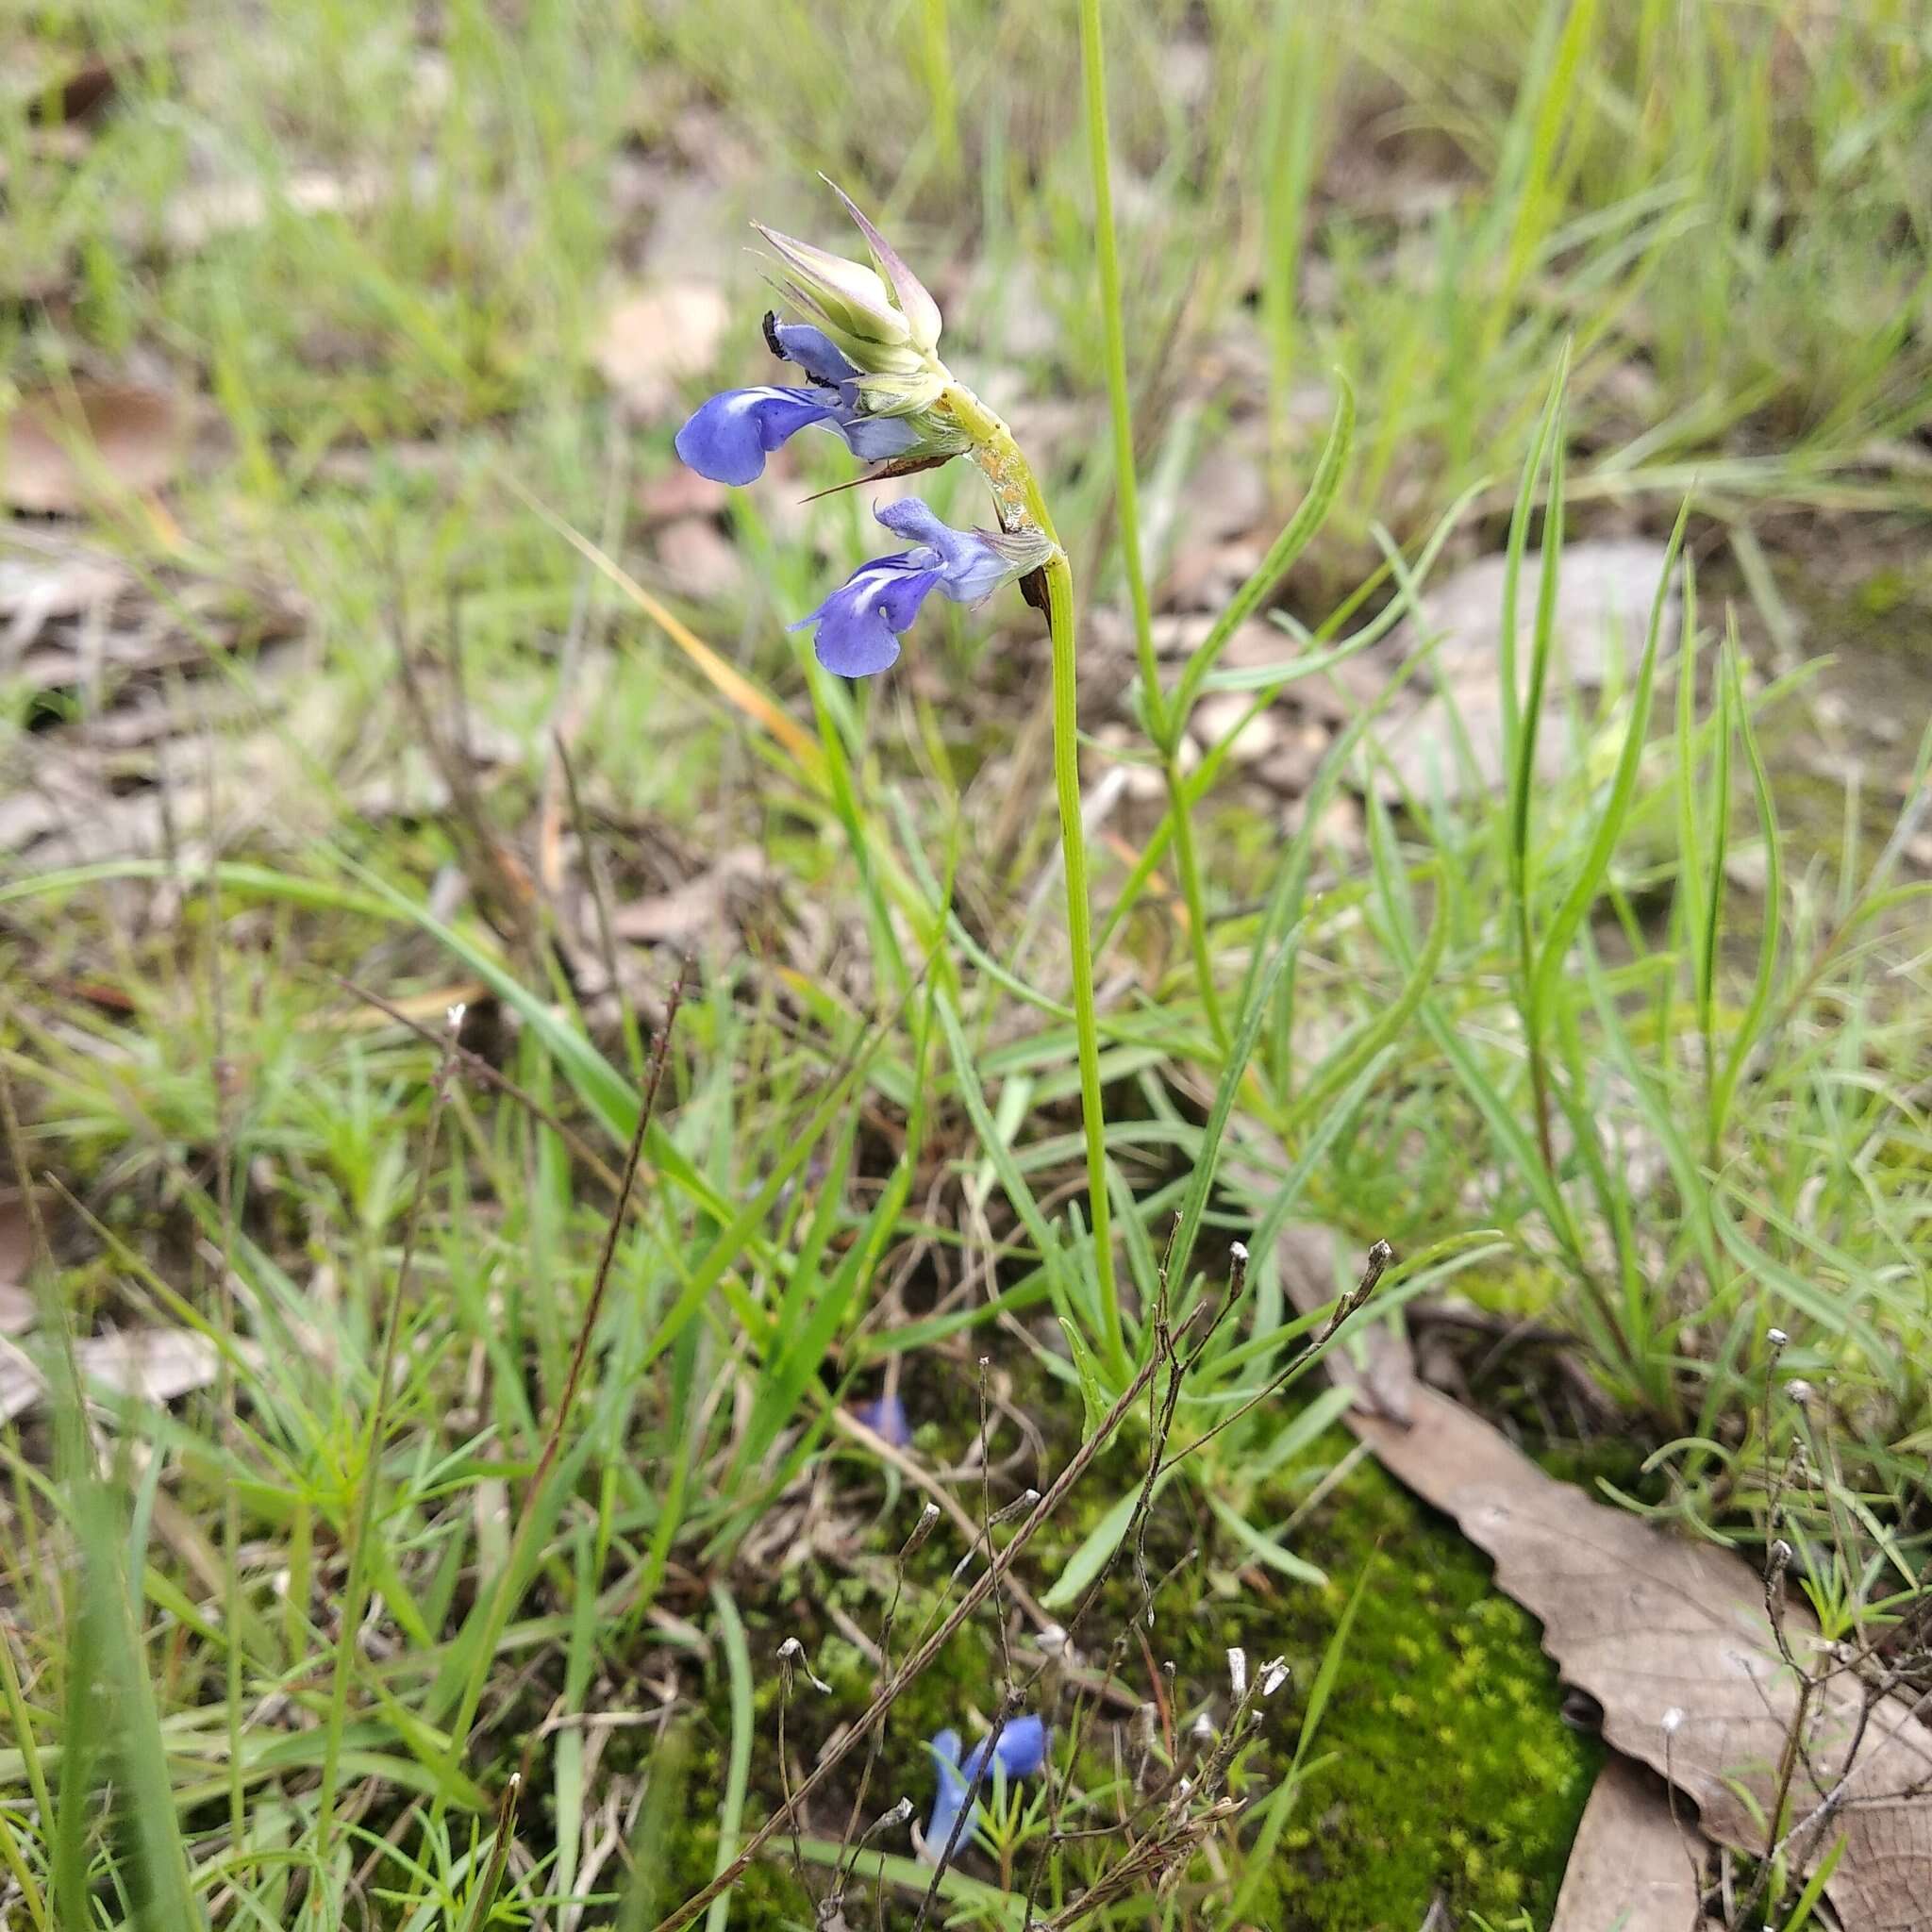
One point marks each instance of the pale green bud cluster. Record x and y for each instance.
(881, 317)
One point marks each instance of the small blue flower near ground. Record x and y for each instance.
(1020, 1753)
(859, 624)
(886, 1417)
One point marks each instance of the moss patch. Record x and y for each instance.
(1443, 1766)
(1449, 1770)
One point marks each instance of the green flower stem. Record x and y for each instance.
(1066, 772)
(1016, 492)
(1163, 725)
(1126, 493)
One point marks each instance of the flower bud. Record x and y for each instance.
(880, 318)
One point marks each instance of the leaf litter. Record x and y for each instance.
(152, 1364)
(1671, 1638)
(59, 447)
(1636, 1867)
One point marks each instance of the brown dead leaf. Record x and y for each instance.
(38, 585)
(1634, 1867)
(698, 560)
(1219, 712)
(57, 90)
(60, 448)
(677, 493)
(149, 1364)
(655, 339)
(200, 214)
(1605, 590)
(1668, 1636)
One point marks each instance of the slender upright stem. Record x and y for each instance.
(1127, 495)
(1180, 808)
(1066, 772)
(1016, 492)
(1164, 726)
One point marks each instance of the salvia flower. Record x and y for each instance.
(729, 437)
(869, 354)
(1019, 1752)
(859, 624)
(885, 1416)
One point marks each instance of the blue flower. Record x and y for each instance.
(859, 624)
(1020, 1753)
(886, 1417)
(729, 437)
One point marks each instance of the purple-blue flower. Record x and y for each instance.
(869, 354)
(886, 1417)
(729, 437)
(859, 624)
(1019, 1753)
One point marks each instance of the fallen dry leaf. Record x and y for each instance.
(55, 93)
(1668, 1636)
(152, 1364)
(38, 586)
(655, 339)
(1634, 1867)
(198, 215)
(58, 448)
(677, 493)
(698, 560)
(1219, 712)
(149, 1364)
(1603, 593)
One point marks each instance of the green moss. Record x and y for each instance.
(1443, 1766)
(1447, 1768)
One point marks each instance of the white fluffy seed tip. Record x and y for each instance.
(1237, 1252)
(1273, 1676)
(1777, 1338)
(792, 1657)
(1672, 1720)
(1237, 1671)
